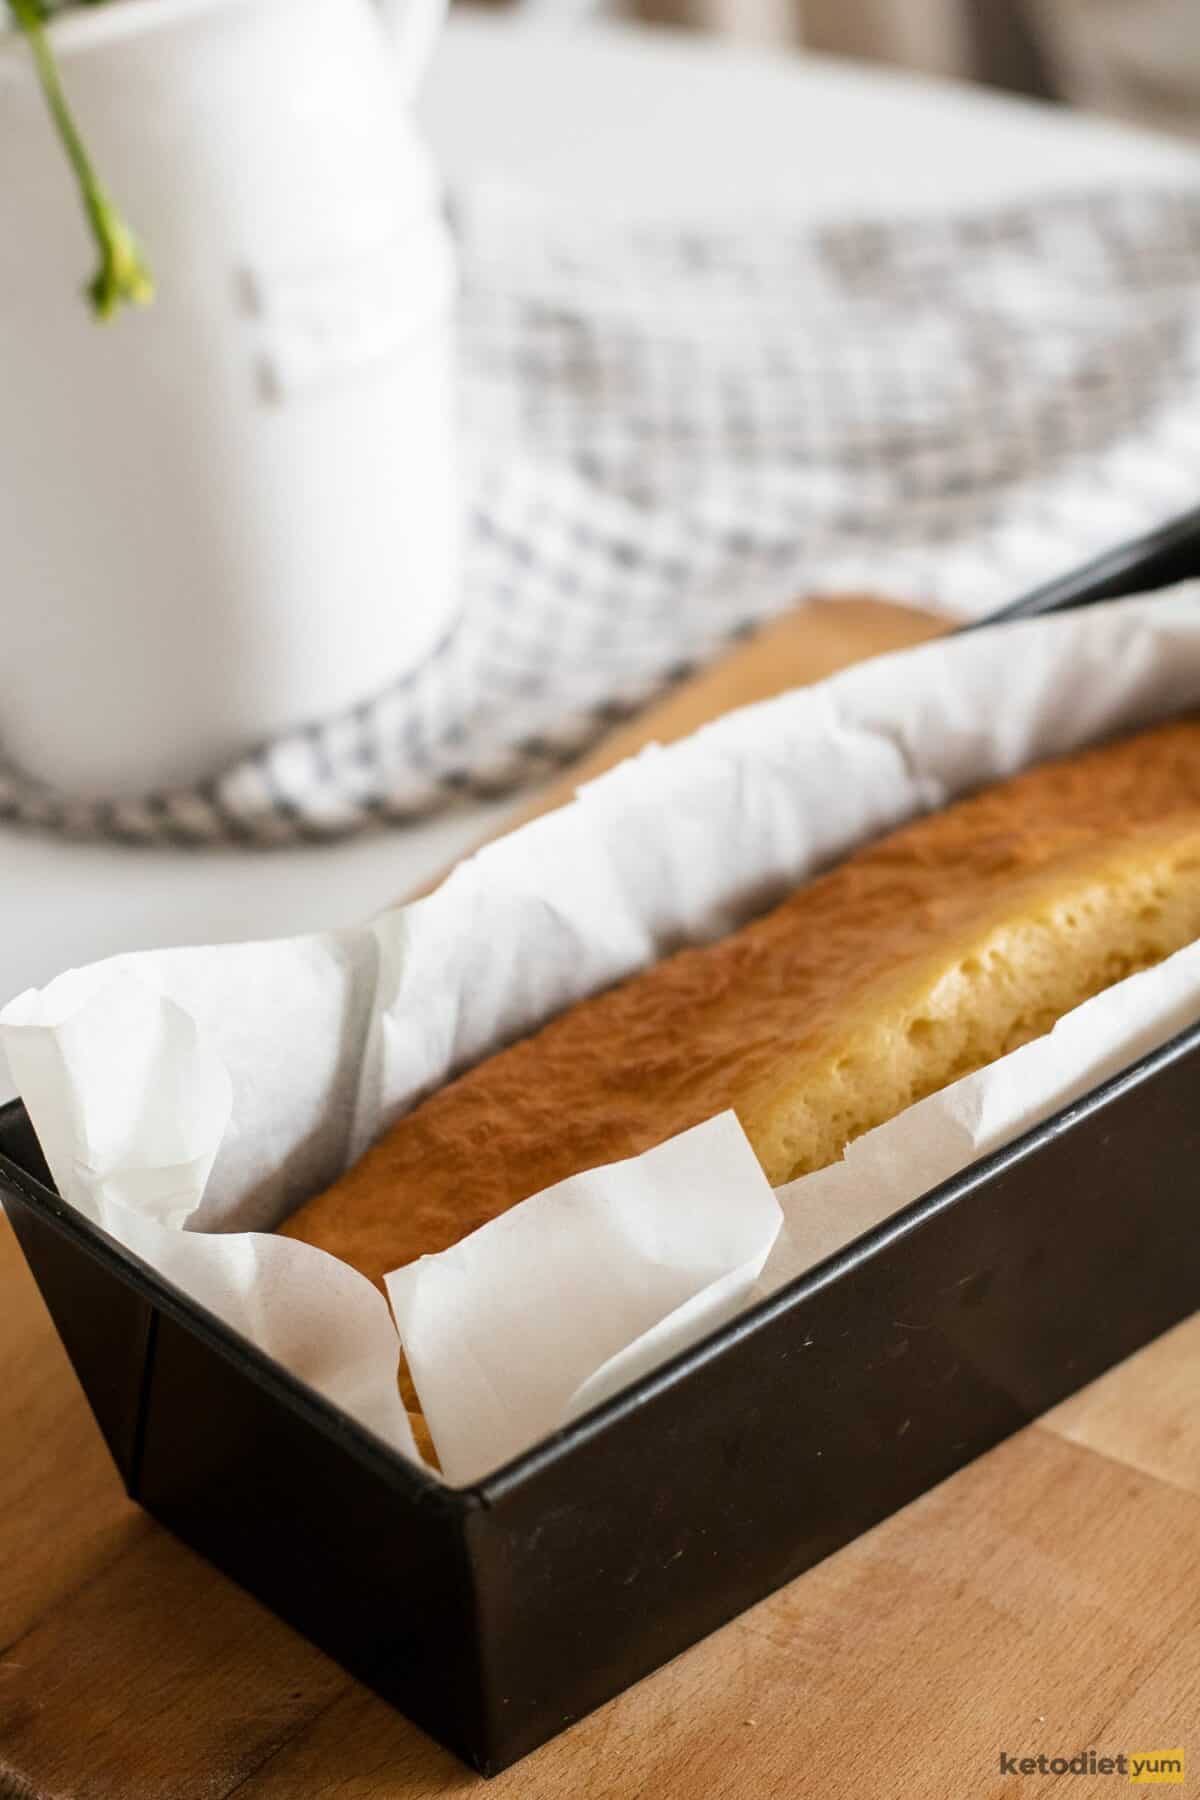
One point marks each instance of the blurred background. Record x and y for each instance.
(1131, 59)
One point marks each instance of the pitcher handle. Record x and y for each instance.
(414, 26)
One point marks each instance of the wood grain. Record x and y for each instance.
(1146, 1412)
(63, 1512)
(1046, 1598)
(159, 1671)
(998, 1612)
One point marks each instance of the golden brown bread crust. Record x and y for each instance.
(711, 1028)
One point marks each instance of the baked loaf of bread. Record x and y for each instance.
(920, 958)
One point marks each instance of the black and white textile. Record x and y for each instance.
(674, 433)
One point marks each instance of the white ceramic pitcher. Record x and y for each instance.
(235, 510)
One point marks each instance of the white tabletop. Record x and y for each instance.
(616, 119)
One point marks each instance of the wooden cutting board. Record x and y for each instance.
(1044, 1600)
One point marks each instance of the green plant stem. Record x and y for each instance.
(122, 275)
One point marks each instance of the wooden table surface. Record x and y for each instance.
(1046, 1599)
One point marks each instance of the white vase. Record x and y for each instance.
(235, 510)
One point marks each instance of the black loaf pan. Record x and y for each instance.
(494, 1615)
